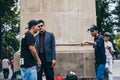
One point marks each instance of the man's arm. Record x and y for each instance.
(91, 42)
(30, 42)
(35, 54)
(88, 42)
(53, 51)
(110, 49)
(53, 46)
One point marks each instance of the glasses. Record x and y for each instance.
(92, 31)
(40, 26)
(106, 35)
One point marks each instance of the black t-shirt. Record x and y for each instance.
(27, 41)
(100, 56)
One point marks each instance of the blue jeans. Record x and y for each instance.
(100, 69)
(29, 73)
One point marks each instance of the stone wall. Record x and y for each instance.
(69, 21)
(70, 58)
(77, 59)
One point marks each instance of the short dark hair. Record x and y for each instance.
(5, 56)
(32, 23)
(93, 27)
(41, 21)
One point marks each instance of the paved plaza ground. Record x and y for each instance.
(116, 71)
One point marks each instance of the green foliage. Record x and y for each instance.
(107, 22)
(118, 43)
(9, 26)
(116, 12)
(104, 18)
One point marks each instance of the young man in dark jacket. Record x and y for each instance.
(45, 45)
(100, 57)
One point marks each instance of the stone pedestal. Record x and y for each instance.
(75, 58)
(69, 21)
(70, 57)
(17, 61)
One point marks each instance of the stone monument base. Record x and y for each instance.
(70, 58)
(75, 58)
(17, 61)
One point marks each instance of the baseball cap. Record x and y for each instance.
(107, 34)
(92, 28)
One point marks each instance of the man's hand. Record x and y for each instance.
(82, 43)
(53, 62)
(35, 54)
(39, 63)
(108, 47)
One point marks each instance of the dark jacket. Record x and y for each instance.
(100, 56)
(49, 45)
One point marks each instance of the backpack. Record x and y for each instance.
(71, 77)
(16, 76)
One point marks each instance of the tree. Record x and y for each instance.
(116, 22)
(117, 44)
(106, 20)
(9, 26)
(104, 16)
(116, 12)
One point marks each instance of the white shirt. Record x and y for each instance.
(5, 63)
(107, 52)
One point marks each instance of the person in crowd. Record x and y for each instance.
(12, 65)
(109, 54)
(45, 45)
(100, 57)
(29, 57)
(5, 67)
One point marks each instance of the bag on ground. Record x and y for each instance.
(71, 76)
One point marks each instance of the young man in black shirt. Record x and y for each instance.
(29, 56)
(100, 57)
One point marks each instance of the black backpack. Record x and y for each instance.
(16, 76)
(71, 77)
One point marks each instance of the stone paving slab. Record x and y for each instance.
(116, 78)
(116, 68)
(116, 72)
(10, 74)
